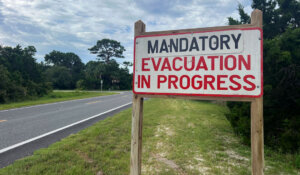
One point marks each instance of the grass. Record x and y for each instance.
(179, 137)
(55, 96)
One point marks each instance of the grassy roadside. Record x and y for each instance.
(55, 96)
(179, 137)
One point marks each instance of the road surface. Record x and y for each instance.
(24, 130)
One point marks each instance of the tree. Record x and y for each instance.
(72, 64)
(278, 16)
(60, 77)
(127, 64)
(69, 60)
(106, 49)
(106, 68)
(110, 73)
(281, 76)
(125, 79)
(281, 90)
(4, 83)
(93, 74)
(21, 76)
(244, 17)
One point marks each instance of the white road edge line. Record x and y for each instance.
(59, 129)
(46, 104)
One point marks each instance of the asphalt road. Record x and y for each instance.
(24, 130)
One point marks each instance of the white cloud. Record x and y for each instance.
(69, 25)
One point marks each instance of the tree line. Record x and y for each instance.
(22, 77)
(281, 51)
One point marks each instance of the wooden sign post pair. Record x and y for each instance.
(216, 63)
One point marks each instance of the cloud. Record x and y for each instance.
(76, 25)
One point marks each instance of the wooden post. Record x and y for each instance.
(257, 137)
(137, 121)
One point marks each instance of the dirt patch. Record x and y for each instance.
(199, 158)
(159, 145)
(198, 166)
(235, 155)
(191, 125)
(227, 139)
(231, 154)
(100, 173)
(169, 163)
(163, 129)
(146, 169)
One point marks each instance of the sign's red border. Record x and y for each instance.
(213, 95)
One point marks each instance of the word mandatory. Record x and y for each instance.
(200, 43)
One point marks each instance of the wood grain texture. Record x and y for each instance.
(257, 18)
(136, 136)
(139, 28)
(257, 135)
(257, 139)
(137, 120)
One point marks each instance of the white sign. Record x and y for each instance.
(212, 63)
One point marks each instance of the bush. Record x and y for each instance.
(80, 84)
(281, 95)
(297, 161)
(20, 75)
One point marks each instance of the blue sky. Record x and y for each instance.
(76, 25)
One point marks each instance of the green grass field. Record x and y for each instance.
(179, 137)
(55, 96)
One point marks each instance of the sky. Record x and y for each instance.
(76, 25)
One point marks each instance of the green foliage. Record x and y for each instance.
(80, 85)
(297, 161)
(107, 49)
(278, 15)
(244, 17)
(65, 69)
(114, 77)
(21, 77)
(60, 77)
(239, 118)
(4, 83)
(282, 98)
(127, 64)
(281, 77)
(68, 60)
(106, 69)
